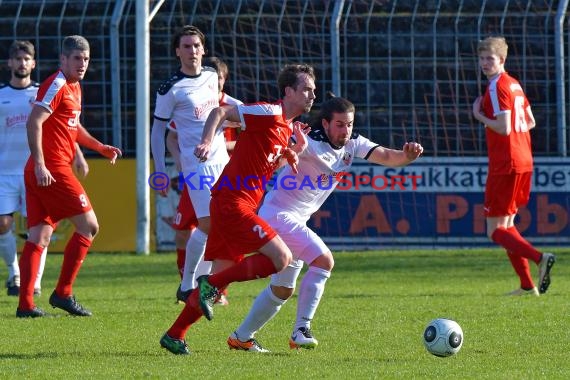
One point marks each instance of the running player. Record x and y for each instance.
(332, 148)
(236, 228)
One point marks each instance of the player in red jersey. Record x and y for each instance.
(506, 113)
(52, 190)
(236, 229)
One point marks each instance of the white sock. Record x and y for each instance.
(310, 293)
(9, 253)
(38, 284)
(194, 254)
(264, 308)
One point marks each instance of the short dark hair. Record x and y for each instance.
(289, 76)
(187, 30)
(75, 42)
(218, 65)
(335, 105)
(25, 46)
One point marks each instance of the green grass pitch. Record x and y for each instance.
(369, 324)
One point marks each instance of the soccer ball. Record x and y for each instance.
(443, 337)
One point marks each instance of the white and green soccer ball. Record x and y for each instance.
(443, 337)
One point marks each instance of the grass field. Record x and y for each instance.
(369, 324)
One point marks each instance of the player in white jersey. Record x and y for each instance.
(332, 148)
(184, 102)
(16, 100)
(182, 223)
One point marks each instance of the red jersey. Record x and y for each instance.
(510, 153)
(265, 134)
(59, 131)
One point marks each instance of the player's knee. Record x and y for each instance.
(282, 261)
(325, 261)
(282, 292)
(4, 229)
(93, 229)
(5, 224)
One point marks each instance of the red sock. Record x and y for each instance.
(180, 259)
(520, 265)
(188, 316)
(73, 256)
(29, 266)
(250, 268)
(513, 242)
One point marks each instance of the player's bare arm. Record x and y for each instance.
(214, 122)
(34, 131)
(501, 124)
(80, 163)
(396, 158)
(85, 139)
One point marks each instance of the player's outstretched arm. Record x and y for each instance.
(85, 139)
(395, 158)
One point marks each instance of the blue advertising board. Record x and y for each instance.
(437, 202)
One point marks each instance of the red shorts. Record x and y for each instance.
(185, 219)
(62, 199)
(504, 194)
(235, 230)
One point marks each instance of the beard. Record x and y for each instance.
(21, 74)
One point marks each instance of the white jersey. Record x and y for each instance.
(185, 102)
(15, 107)
(319, 166)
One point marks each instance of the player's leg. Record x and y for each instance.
(39, 236)
(10, 201)
(310, 292)
(238, 230)
(174, 339)
(271, 258)
(180, 240)
(503, 196)
(40, 230)
(40, 275)
(195, 249)
(196, 246)
(24, 212)
(266, 305)
(8, 251)
(86, 227)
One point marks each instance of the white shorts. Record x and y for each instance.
(12, 194)
(200, 180)
(304, 243)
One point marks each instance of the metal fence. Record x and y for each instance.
(409, 66)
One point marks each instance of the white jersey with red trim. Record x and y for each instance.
(320, 168)
(15, 107)
(185, 102)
